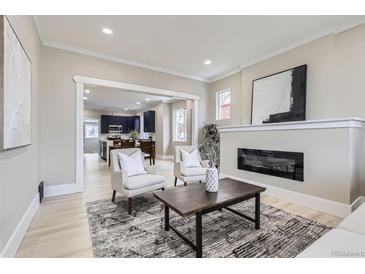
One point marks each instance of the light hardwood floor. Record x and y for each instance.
(60, 227)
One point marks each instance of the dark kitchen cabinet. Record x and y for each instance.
(123, 122)
(115, 120)
(137, 123)
(128, 123)
(104, 124)
(149, 121)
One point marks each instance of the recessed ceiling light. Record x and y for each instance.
(125, 108)
(107, 31)
(147, 99)
(207, 62)
(85, 98)
(138, 103)
(87, 91)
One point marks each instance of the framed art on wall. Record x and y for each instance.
(15, 90)
(280, 97)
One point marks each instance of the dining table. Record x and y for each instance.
(149, 149)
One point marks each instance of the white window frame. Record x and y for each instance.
(96, 122)
(217, 104)
(174, 124)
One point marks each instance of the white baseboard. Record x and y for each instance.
(58, 190)
(358, 202)
(331, 207)
(16, 238)
(164, 157)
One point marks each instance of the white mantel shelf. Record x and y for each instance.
(352, 122)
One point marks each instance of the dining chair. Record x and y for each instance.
(147, 149)
(128, 144)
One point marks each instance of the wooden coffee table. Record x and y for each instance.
(194, 199)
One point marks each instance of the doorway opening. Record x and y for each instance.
(110, 112)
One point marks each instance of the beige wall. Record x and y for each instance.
(20, 167)
(58, 103)
(95, 114)
(334, 82)
(234, 83)
(349, 75)
(328, 158)
(188, 104)
(349, 72)
(318, 55)
(162, 127)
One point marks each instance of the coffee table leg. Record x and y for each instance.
(257, 211)
(167, 226)
(199, 240)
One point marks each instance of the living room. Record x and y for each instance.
(257, 151)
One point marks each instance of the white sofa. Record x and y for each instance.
(131, 186)
(346, 240)
(190, 174)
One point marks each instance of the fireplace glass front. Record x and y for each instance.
(289, 165)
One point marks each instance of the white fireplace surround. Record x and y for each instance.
(333, 156)
(309, 124)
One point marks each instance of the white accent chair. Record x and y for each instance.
(189, 174)
(134, 185)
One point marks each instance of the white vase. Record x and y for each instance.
(212, 179)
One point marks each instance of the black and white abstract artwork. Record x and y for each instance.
(279, 97)
(16, 90)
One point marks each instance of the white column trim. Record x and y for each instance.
(195, 124)
(79, 136)
(80, 81)
(133, 87)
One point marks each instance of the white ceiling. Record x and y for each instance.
(112, 99)
(180, 44)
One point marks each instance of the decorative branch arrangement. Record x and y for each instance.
(209, 149)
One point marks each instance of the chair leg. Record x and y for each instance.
(185, 183)
(150, 161)
(113, 198)
(129, 205)
(175, 181)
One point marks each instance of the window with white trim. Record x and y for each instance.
(91, 129)
(223, 104)
(180, 124)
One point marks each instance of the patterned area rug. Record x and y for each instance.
(115, 233)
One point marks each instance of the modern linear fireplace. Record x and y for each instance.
(285, 164)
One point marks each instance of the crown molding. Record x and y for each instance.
(133, 87)
(225, 75)
(333, 31)
(121, 60)
(344, 27)
(113, 58)
(38, 26)
(109, 57)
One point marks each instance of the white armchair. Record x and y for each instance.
(189, 174)
(134, 185)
